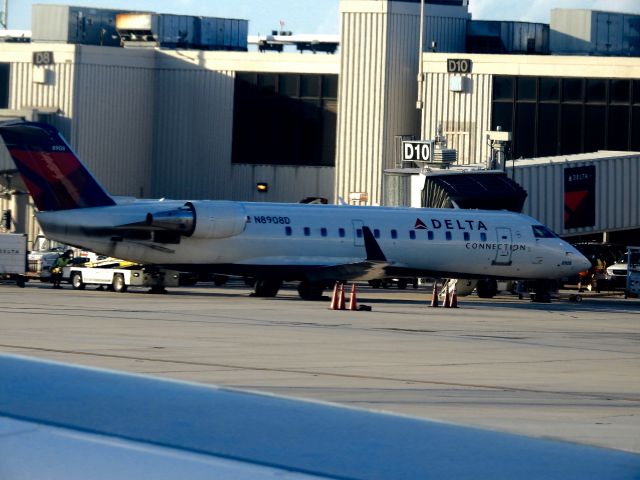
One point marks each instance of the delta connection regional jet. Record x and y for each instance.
(274, 242)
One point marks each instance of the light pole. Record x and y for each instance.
(419, 102)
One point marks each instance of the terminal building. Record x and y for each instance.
(179, 107)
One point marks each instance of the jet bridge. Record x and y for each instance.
(451, 188)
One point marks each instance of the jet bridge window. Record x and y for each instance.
(540, 231)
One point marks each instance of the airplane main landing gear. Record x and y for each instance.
(267, 287)
(311, 290)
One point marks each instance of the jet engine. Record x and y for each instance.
(200, 219)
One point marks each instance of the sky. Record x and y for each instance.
(313, 16)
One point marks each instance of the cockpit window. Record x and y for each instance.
(540, 231)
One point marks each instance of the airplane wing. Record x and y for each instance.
(372, 266)
(67, 422)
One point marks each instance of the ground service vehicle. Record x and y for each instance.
(13, 257)
(120, 279)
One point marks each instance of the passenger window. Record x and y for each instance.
(412, 234)
(359, 233)
(430, 235)
(447, 235)
(341, 232)
(307, 231)
(467, 236)
(376, 233)
(288, 231)
(394, 234)
(483, 236)
(323, 232)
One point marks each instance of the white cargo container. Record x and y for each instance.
(13, 257)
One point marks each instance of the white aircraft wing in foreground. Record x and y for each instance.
(61, 422)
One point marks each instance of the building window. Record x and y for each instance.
(284, 119)
(560, 116)
(5, 69)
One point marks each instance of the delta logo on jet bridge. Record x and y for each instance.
(451, 224)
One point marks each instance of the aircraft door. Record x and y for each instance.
(504, 246)
(358, 236)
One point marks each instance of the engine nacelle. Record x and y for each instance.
(217, 219)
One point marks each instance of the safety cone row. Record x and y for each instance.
(450, 298)
(338, 300)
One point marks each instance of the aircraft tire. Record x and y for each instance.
(267, 287)
(402, 283)
(311, 290)
(487, 288)
(118, 283)
(76, 281)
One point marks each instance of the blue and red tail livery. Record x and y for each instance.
(51, 171)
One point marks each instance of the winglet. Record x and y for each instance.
(51, 171)
(374, 252)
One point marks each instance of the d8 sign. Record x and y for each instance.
(417, 151)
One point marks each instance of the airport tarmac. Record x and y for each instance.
(564, 370)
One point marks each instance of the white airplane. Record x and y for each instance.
(273, 242)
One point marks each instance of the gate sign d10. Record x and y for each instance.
(459, 65)
(417, 151)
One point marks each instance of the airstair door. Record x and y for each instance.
(358, 235)
(504, 246)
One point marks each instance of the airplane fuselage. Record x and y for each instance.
(290, 240)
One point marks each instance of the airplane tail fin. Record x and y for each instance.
(51, 171)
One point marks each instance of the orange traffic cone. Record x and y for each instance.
(353, 301)
(334, 297)
(434, 295)
(454, 298)
(341, 299)
(447, 299)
